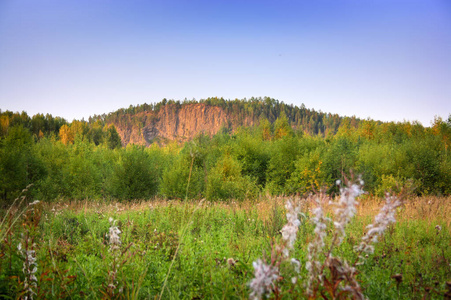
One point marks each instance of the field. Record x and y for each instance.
(163, 249)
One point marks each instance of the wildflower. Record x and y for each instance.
(385, 217)
(290, 230)
(438, 228)
(29, 269)
(231, 262)
(265, 275)
(115, 240)
(343, 271)
(346, 207)
(296, 264)
(313, 264)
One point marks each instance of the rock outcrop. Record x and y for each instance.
(172, 122)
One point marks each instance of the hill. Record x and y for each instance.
(181, 121)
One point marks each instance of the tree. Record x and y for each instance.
(254, 158)
(38, 124)
(82, 176)
(282, 127)
(4, 125)
(283, 154)
(339, 158)
(113, 140)
(135, 176)
(225, 181)
(96, 133)
(183, 178)
(345, 129)
(308, 175)
(66, 135)
(442, 129)
(265, 129)
(18, 164)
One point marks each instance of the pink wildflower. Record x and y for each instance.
(346, 207)
(313, 264)
(29, 269)
(290, 230)
(265, 275)
(385, 217)
(115, 240)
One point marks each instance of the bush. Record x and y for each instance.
(226, 182)
(176, 177)
(135, 176)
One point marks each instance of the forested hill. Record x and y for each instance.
(171, 120)
(182, 121)
(280, 149)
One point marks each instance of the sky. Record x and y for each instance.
(387, 60)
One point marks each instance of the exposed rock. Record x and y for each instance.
(175, 123)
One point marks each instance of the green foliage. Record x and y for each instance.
(390, 184)
(282, 127)
(82, 176)
(136, 174)
(339, 157)
(225, 181)
(308, 175)
(290, 150)
(19, 165)
(284, 153)
(54, 157)
(423, 163)
(96, 134)
(253, 156)
(113, 140)
(183, 179)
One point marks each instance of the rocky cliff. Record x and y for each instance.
(173, 122)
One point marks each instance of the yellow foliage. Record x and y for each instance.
(66, 135)
(4, 125)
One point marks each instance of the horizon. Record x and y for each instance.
(386, 61)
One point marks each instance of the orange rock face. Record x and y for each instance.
(174, 123)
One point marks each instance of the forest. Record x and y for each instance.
(289, 151)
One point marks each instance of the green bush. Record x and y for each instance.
(176, 177)
(136, 174)
(225, 181)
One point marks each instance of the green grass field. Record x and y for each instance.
(193, 250)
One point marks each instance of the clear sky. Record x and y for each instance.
(388, 60)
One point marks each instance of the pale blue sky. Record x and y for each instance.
(384, 59)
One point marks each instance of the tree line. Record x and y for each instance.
(85, 160)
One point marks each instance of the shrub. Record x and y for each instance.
(135, 176)
(226, 182)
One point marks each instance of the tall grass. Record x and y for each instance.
(187, 250)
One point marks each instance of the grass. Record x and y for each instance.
(186, 248)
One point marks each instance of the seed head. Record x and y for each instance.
(290, 230)
(115, 239)
(265, 275)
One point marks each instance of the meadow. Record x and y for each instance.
(160, 249)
